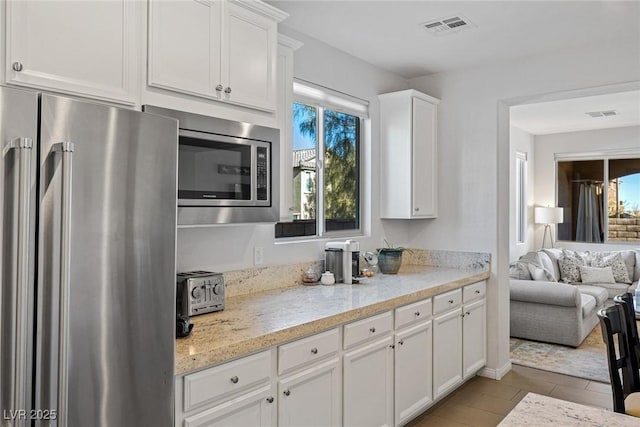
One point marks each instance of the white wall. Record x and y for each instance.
(522, 142)
(473, 153)
(230, 247)
(547, 146)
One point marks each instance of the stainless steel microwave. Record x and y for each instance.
(228, 172)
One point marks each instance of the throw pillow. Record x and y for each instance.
(519, 270)
(570, 263)
(539, 273)
(596, 274)
(614, 261)
(533, 258)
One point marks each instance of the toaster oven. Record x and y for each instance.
(199, 292)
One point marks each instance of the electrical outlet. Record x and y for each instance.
(258, 255)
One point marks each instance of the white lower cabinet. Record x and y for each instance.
(312, 397)
(413, 371)
(474, 335)
(256, 409)
(368, 384)
(459, 337)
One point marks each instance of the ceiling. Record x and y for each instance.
(387, 33)
(570, 115)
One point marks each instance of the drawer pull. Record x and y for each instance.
(417, 313)
(286, 392)
(372, 330)
(314, 350)
(477, 291)
(270, 399)
(450, 301)
(234, 380)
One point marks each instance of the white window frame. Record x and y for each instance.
(327, 99)
(521, 197)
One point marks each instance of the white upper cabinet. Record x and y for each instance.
(84, 48)
(408, 134)
(220, 50)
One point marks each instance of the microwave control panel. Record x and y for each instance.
(262, 173)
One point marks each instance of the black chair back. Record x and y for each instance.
(626, 301)
(614, 331)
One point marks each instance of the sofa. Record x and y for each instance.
(556, 293)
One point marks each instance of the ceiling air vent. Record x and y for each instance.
(452, 24)
(605, 113)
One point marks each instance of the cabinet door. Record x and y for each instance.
(256, 408)
(249, 54)
(474, 334)
(447, 352)
(413, 371)
(312, 397)
(368, 385)
(424, 159)
(77, 47)
(184, 46)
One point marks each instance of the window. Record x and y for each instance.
(325, 157)
(599, 212)
(521, 197)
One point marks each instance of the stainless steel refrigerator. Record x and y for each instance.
(87, 232)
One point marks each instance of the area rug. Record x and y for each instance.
(589, 360)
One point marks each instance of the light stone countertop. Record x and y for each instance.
(537, 410)
(257, 321)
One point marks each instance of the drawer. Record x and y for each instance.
(412, 313)
(447, 301)
(227, 379)
(473, 292)
(307, 350)
(371, 327)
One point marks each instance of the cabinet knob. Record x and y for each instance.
(227, 90)
(270, 399)
(286, 392)
(450, 301)
(17, 66)
(477, 291)
(219, 88)
(417, 313)
(417, 209)
(291, 209)
(314, 350)
(401, 342)
(234, 380)
(392, 346)
(372, 330)
(462, 315)
(468, 313)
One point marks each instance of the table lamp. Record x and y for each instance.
(548, 216)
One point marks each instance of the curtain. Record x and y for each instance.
(590, 221)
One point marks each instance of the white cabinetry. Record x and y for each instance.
(474, 329)
(312, 397)
(236, 393)
(81, 48)
(408, 137)
(413, 361)
(459, 336)
(311, 393)
(221, 50)
(368, 372)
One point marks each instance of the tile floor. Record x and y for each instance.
(485, 402)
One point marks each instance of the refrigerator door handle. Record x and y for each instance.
(24, 145)
(66, 149)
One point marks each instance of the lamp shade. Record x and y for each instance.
(548, 215)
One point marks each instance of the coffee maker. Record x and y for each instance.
(343, 260)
